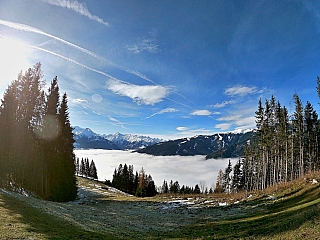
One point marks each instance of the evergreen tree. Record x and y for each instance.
(82, 171)
(150, 187)
(77, 166)
(196, 189)
(93, 171)
(227, 178)
(238, 177)
(36, 147)
(164, 188)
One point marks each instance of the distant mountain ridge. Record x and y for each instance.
(220, 145)
(85, 138)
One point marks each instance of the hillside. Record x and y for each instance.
(220, 145)
(289, 211)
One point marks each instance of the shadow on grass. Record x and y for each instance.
(283, 216)
(34, 223)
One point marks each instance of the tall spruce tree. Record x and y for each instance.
(93, 170)
(32, 153)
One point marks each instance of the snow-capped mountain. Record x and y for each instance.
(86, 138)
(222, 145)
(129, 141)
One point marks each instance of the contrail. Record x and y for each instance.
(86, 67)
(27, 28)
(63, 57)
(23, 27)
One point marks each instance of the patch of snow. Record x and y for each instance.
(223, 204)
(271, 198)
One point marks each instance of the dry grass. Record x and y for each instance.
(108, 214)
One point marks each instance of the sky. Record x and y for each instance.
(166, 69)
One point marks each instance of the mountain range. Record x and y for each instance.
(219, 145)
(85, 138)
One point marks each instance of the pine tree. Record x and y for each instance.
(150, 187)
(82, 168)
(35, 142)
(196, 189)
(227, 178)
(164, 188)
(93, 171)
(298, 126)
(238, 177)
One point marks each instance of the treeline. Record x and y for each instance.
(36, 139)
(139, 184)
(286, 147)
(174, 188)
(84, 169)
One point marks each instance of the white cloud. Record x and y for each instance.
(166, 110)
(148, 94)
(182, 128)
(79, 100)
(201, 113)
(77, 7)
(223, 126)
(242, 121)
(240, 90)
(148, 44)
(224, 103)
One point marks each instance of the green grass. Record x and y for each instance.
(295, 214)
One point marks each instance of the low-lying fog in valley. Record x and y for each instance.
(189, 170)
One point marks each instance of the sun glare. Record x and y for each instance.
(13, 59)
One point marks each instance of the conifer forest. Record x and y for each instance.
(36, 144)
(285, 147)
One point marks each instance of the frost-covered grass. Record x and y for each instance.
(290, 211)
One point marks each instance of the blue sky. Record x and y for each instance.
(165, 68)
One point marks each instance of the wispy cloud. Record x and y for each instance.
(201, 113)
(166, 110)
(147, 94)
(240, 119)
(26, 28)
(182, 128)
(116, 122)
(224, 103)
(188, 132)
(23, 27)
(240, 90)
(148, 44)
(77, 7)
(78, 100)
(223, 126)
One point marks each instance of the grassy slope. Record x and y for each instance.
(295, 214)
(19, 220)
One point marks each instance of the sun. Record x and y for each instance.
(13, 59)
